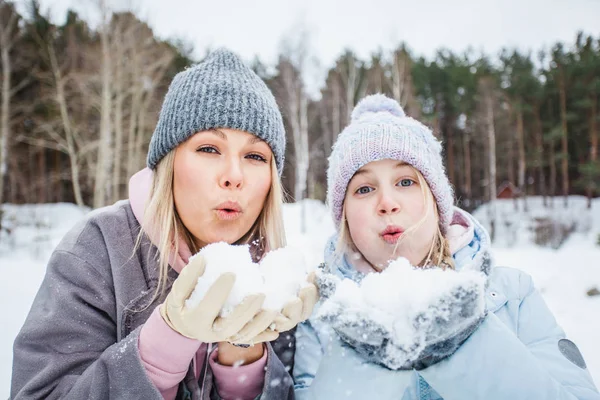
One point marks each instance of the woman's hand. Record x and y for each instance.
(298, 309)
(202, 321)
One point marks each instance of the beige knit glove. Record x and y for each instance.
(300, 308)
(202, 322)
(294, 312)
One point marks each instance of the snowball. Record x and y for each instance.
(284, 273)
(220, 258)
(279, 275)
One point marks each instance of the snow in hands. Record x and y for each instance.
(279, 275)
(397, 316)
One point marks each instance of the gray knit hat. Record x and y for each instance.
(381, 130)
(220, 92)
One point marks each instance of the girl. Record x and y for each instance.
(390, 197)
(110, 318)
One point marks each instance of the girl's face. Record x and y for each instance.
(382, 202)
(221, 180)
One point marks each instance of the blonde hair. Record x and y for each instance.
(439, 252)
(267, 232)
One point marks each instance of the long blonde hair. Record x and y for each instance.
(439, 252)
(267, 232)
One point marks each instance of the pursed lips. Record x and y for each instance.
(391, 234)
(228, 211)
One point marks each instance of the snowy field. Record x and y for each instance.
(564, 276)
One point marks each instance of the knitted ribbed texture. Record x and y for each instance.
(381, 130)
(220, 92)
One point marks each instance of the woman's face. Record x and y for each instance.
(383, 201)
(221, 180)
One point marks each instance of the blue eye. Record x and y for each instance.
(208, 149)
(364, 190)
(256, 157)
(406, 182)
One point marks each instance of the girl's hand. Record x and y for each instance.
(439, 327)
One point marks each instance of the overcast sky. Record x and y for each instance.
(257, 27)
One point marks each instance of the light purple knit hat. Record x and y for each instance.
(381, 130)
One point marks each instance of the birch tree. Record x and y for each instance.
(140, 65)
(8, 38)
(291, 91)
(401, 82)
(104, 160)
(487, 101)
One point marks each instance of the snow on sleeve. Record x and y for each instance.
(279, 275)
(410, 307)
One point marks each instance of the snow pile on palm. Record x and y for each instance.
(404, 314)
(279, 275)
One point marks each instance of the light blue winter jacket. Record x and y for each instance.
(518, 352)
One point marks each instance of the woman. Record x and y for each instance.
(110, 318)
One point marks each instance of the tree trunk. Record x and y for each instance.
(302, 149)
(335, 113)
(564, 138)
(591, 187)
(539, 153)
(6, 44)
(118, 121)
(59, 193)
(61, 100)
(522, 161)
(553, 171)
(103, 163)
(402, 84)
(491, 133)
(4, 115)
(450, 149)
(143, 112)
(510, 160)
(41, 179)
(467, 167)
(302, 154)
(398, 78)
(350, 88)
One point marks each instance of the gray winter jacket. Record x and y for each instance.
(80, 339)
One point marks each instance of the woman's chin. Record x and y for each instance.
(225, 237)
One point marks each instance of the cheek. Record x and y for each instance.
(428, 230)
(358, 219)
(416, 204)
(182, 178)
(187, 182)
(259, 185)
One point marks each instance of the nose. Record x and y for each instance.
(387, 205)
(232, 176)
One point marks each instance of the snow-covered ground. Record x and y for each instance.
(563, 275)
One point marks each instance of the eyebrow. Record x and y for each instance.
(255, 139)
(220, 134)
(367, 170)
